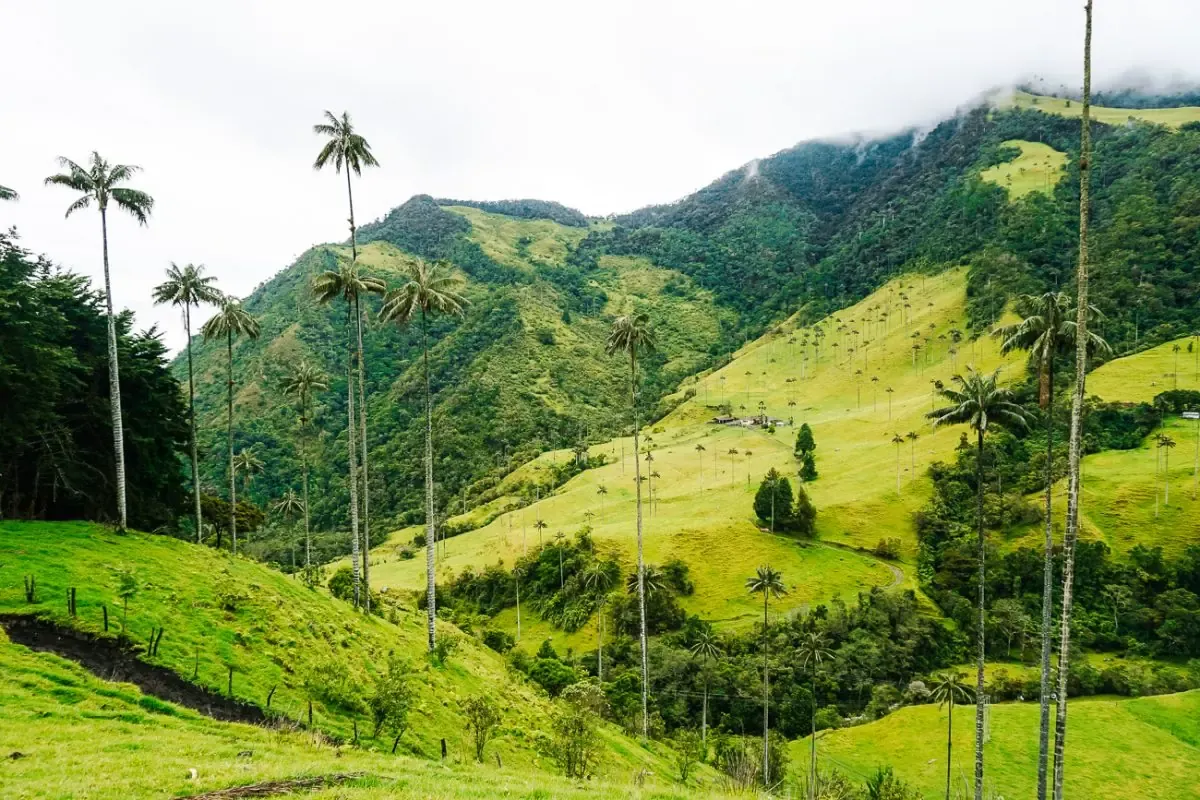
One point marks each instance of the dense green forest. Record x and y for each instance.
(56, 447)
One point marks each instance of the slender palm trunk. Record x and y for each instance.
(229, 442)
(980, 638)
(600, 640)
(307, 531)
(430, 586)
(812, 768)
(362, 419)
(766, 696)
(1073, 452)
(1047, 583)
(641, 564)
(187, 325)
(704, 719)
(114, 380)
(949, 744)
(351, 444)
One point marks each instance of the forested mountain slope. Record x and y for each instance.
(808, 230)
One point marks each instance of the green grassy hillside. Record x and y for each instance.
(71, 728)
(703, 509)
(1125, 500)
(1170, 117)
(1146, 748)
(219, 612)
(1038, 168)
(525, 370)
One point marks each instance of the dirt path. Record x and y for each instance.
(897, 573)
(113, 661)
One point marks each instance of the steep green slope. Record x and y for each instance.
(1066, 107)
(703, 510)
(1125, 492)
(70, 728)
(524, 371)
(1148, 748)
(280, 638)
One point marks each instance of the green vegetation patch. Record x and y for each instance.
(1037, 168)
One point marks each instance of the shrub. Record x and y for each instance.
(444, 648)
(392, 699)
(888, 548)
(500, 641)
(689, 750)
(341, 585)
(576, 745)
(552, 675)
(482, 719)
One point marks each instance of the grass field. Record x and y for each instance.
(278, 633)
(1119, 503)
(81, 737)
(1139, 377)
(1171, 117)
(1038, 168)
(1146, 748)
(703, 499)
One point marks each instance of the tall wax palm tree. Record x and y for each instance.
(232, 320)
(1165, 443)
(540, 526)
(602, 491)
(249, 464)
(814, 651)
(706, 647)
(897, 440)
(733, 451)
(431, 290)
(632, 336)
(599, 578)
(890, 391)
(1075, 436)
(700, 458)
(188, 286)
(302, 383)
(947, 688)
(289, 505)
(767, 581)
(98, 184)
(347, 150)
(980, 402)
(350, 283)
(912, 437)
(1046, 332)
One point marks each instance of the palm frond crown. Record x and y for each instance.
(979, 401)
(99, 183)
(345, 148)
(431, 289)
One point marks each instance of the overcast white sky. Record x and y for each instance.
(602, 106)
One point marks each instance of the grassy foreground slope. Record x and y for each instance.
(703, 499)
(1146, 748)
(82, 737)
(219, 612)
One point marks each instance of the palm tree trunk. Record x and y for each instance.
(766, 697)
(187, 325)
(812, 769)
(229, 442)
(1047, 582)
(307, 533)
(114, 380)
(641, 564)
(353, 229)
(362, 418)
(949, 744)
(430, 586)
(1073, 450)
(704, 720)
(980, 638)
(351, 435)
(600, 640)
